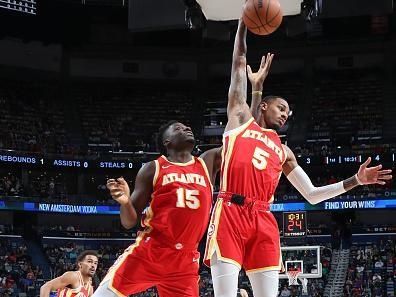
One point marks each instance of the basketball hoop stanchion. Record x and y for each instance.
(292, 275)
(304, 283)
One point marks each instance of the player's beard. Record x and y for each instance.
(275, 127)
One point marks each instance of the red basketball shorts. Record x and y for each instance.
(246, 236)
(146, 264)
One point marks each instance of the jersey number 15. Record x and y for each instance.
(187, 198)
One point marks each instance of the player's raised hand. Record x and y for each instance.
(119, 190)
(257, 78)
(373, 175)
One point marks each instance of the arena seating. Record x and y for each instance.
(345, 107)
(130, 119)
(372, 269)
(30, 118)
(18, 277)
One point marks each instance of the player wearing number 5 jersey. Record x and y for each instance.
(242, 231)
(178, 188)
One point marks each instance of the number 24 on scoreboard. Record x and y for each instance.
(294, 224)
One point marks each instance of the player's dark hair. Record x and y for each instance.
(82, 256)
(271, 98)
(160, 136)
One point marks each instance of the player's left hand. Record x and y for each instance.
(257, 78)
(373, 175)
(119, 190)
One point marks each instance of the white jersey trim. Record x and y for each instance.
(238, 129)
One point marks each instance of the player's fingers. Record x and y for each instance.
(117, 194)
(380, 183)
(376, 168)
(270, 60)
(249, 70)
(115, 189)
(262, 64)
(364, 165)
(111, 185)
(385, 177)
(385, 171)
(122, 181)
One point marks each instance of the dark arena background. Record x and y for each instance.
(85, 85)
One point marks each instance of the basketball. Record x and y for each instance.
(262, 17)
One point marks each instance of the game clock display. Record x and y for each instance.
(295, 224)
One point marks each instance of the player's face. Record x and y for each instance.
(179, 134)
(276, 113)
(88, 265)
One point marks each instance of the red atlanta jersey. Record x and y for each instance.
(252, 161)
(181, 201)
(81, 291)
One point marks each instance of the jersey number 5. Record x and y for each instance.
(187, 198)
(260, 158)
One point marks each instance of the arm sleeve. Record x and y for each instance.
(301, 181)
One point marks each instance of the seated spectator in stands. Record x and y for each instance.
(285, 292)
(359, 268)
(377, 291)
(379, 264)
(376, 278)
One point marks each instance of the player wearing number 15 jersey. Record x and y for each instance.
(178, 188)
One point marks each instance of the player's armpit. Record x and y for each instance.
(291, 161)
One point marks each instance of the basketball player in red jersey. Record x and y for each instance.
(242, 231)
(74, 283)
(178, 187)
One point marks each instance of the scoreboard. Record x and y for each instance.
(22, 6)
(295, 224)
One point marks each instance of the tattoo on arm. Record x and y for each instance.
(350, 183)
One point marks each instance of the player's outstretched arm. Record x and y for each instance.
(237, 109)
(257, 80)
(132, 206)
(300, 180)
(66, 279)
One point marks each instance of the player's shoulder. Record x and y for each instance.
(71, 277)
(149, 165)
(286, 149)
(211, 154)
(148, 169)
(289, 155)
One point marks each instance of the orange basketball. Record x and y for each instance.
(262, 17)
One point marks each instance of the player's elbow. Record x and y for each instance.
(45, 289)
(239, 61)
(316, 197)
(128, 224)
(312, 201)
(310, 197)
